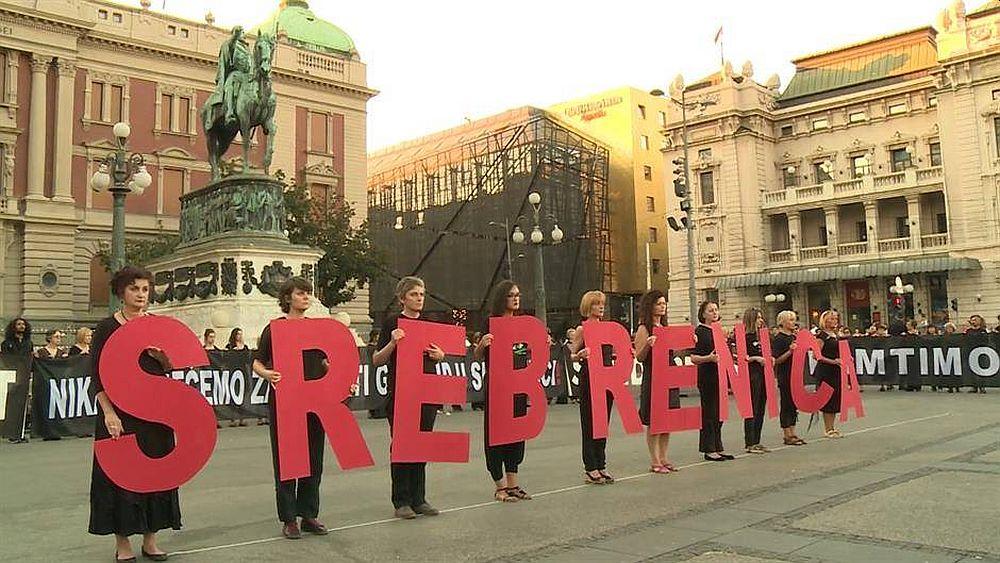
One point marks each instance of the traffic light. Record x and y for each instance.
(680, 187)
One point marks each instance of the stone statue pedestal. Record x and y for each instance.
(233, 257)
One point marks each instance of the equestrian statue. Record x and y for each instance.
(243, 99)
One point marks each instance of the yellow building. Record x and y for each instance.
(630, 121)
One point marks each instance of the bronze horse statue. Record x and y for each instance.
(255, 104)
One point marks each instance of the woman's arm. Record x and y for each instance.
(576, 350)
(641, 343)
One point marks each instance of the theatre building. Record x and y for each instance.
(877, 160)
(70, 70)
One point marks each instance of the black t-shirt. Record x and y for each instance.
(704, 346)
(780, 344)
(390, 324)
(312, 360)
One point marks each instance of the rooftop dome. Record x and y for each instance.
(305, 30)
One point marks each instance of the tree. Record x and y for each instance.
(350, 261)
(140, 252)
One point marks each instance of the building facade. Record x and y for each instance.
(878, 160)
(70, 70)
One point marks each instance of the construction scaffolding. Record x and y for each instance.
(438, 206)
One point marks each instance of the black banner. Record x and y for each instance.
(947, 360)
(15, 373)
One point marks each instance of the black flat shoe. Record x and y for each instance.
(727, 456)
(155, 556)
(129, 560)
(710, 458)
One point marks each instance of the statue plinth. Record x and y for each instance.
(250, 205)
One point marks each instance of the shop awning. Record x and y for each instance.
(849, 272)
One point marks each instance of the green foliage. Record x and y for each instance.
(350, 261)
(141, 251)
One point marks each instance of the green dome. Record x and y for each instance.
(305, 30)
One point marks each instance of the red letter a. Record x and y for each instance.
(156, 399)
(295, 397)
(504, 381)
(605, 379)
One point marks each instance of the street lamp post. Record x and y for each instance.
(121, 174)
(537, 238)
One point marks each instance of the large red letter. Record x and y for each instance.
(770, 382)
(729, 378)
(666, 376)
(850, 392)
(806, 401)
(156, 399)
(505, 381)
(604, 379)
(414, 388)
(294, 397)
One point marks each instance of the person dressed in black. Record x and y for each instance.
(295, 498)
(52, 349)
(782, 348)
(705, 357)
(84, 337)
(114, 510)
(502, 461)
(408, 479)
(236, 342)
(828, 369)
(977, 325)
(753, 321)
(652, 308)
(594, 458)
(17, 337)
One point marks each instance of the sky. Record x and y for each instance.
(436, 63)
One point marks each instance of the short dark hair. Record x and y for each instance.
(50, 333)
(126, 277)
(209, 331)
(289, 287)
(701, 310)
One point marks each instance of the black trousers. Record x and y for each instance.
(504, 459)
(710, 436)
(758, 398)
(409, 479)
(298, 497)
(789, 413)
(594, 457)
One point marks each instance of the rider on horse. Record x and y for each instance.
(234, 73)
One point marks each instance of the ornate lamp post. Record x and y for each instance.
(537, 238)
(120, 174)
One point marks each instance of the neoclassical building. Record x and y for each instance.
(877, 160)
(70, 70)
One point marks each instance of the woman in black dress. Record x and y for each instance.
(652, 308)
(84, 336)
(828, 369)
(753, 321)
(114, 510)
(594, 459)
(502, 461)
(782, 348)
(707, 360)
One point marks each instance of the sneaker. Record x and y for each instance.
(291, 531)
(405, 513)
(426, 510)
(314, 526)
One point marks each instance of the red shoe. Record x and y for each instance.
(291, 531)
(314, 526)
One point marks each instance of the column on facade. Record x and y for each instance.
(794, 234)
(913, 218)
(871, 223)
(62, 175)
(36, 125)
(832, 230)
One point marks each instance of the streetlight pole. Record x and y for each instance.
(120, 174)
(692, 295)
(537, 238)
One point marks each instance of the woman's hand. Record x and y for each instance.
(435, 353)
(650, 342)
(398, 335)
(583, 354)
(113, 424)
(485, 341)
(713, 358)
(354, 388)
(271, 375)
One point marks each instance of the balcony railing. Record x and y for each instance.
(889, 180)
(930, 174)
(813, 253)
(866, 185)
(781, 256)
(774, 198)
(894, 244)
(848, 186)
(806, 192)
(852, 248)
(934, 240)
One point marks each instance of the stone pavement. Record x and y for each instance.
(918, 479)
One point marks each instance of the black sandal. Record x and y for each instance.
(519, 493)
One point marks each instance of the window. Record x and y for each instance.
(941, 222)
(822, 171)
(938, 286)
(102, 14)
(117, 99)
(932, 101)
(706, 182)
(173, 187)
(642, 111)
(650, 203)
(789, 178)
(861, 228)
(116, 17)
(183, 116)
(653, 235)
(935, 149)
(166, 111)
(644, 142)
(712, 295)
(995, 94)
(100, 282)
(900, 159)
(185, 33)
(860, 166)
(654, 265)
(996, 133)
(902, 227)
(820, 124)
(647, 172)
(663, 118)
(704, 154)
(787, 130)
(4, 96)
(897, 108)
(97, 101)
(856, 117)
(318, 135)
(321, 196)
(823, 235)
(171, 30)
